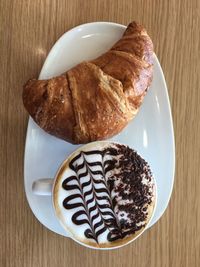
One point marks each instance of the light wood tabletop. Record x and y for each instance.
(28, 30)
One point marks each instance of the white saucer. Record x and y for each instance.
(150, 133)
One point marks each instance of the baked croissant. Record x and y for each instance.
(96, 99)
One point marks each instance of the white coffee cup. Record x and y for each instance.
(50, 187)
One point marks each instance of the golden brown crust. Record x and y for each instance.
(134, 74)
(95, 100)
(49, 104)
(99, 103)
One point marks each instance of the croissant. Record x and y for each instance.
(96, 99)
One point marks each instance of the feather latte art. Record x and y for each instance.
(104, 195)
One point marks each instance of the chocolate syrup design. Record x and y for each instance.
(92, 187)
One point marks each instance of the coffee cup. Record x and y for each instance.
(103, 194)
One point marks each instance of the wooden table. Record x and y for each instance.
(28, 29)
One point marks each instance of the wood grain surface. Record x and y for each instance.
(28, 29)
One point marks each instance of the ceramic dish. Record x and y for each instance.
(150, 133)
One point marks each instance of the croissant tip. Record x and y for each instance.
(135, 27)
(29, 81)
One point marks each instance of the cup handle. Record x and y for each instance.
(43, 187)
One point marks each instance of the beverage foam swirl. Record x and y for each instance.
(104, 195)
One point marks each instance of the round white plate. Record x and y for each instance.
(150, 133)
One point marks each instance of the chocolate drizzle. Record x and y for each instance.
(106, 190)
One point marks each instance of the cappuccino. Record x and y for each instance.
(104, 194)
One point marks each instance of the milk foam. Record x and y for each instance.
(91, 176)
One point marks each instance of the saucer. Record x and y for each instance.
(150, 132)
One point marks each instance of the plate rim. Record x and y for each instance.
(73, 30)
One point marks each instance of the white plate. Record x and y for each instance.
(150, 133)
